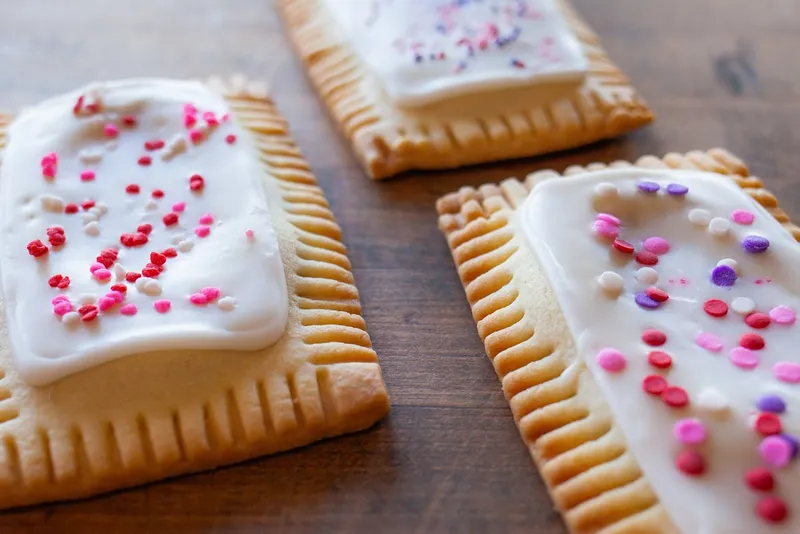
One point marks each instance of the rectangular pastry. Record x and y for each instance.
(176, 294)
(445, 83)
(641, 319)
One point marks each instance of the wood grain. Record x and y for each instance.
(448, 459)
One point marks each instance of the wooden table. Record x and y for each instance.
(448, 458)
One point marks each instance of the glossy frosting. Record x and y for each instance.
(425, 51)
(251, 309)
(602, 315)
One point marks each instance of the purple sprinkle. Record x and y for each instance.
(723, 276)
(644, 300)
(677, 189)
(771, 403)
(793, 442)
(755, 244)
(648, 187)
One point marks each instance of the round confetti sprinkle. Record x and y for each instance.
(645, 301)
(772, 509)
(715, 308)
(607, 217)
(654, 338)
(689, 431)
(677, 190)
(623, 246)
(723, 276)
(654, 384)
(719, 226)
(782, 315)
(743, 217)
(699, 217)
(771, 403)
(759, 479)
(751, 341)
(611, 360)
(611, 282)
(675, 396)
(659, 359)
(712, 401)
(162, 306)
(606, 190)
(743, 358)
(743, 305)
(656, 245)
(644, 257)
(767, 424)
(659, 295)
(605, 229)
(729, 262)
(691, 463)
(755, 244)
(775, 451)
(708, 341)
(647, 275)
(648, 187)
(758, 320)
(787, 372)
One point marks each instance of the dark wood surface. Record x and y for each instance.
(448, 458)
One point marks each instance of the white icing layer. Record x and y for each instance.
(247, 270)
(424, 51)
(721, 395)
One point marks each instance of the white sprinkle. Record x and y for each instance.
(719, 226)
(711, 401)
(177, 238)
(139, 283)
(611, 282)
(152, 287)
(606, 190)
(70, 318)
(87, 298)
(94, 210)
(90, 157)
(52, 203)
(226, 303)
(112, 145)
(119, 271)
(151, 205)
(186, 246)
(647, 275)
(729, 262)
(102, 207)
(88, 217)
(92, 228)
(743, 305)
(29, 213)
(699, 217)
(175, 146)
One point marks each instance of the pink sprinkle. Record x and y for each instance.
(202, 231)
(206, 219)
(62, 307)
(605, 229)
(102, 274)
(689, 431)
(230, 139)
(179, 206)
(111, 130)
(129, 309)
(656, 245)
(743, 217)
(196, 136)
(611, 360)
(607, 217)
(225, 117)
(775, 451)
(87, 175)
(198, 298)
(782, 315)
(189, 108)
(249, 233)
(787, 372)
(162, 306)
(211, 293)
(118, 296)
(49, 171)
(744, 358)
(209, 117)
(710, 342)
(189, 120)
(50, 159)
(59, 298)
(105, 303)
(93, 268)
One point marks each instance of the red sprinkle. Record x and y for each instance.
(157, 193)
(132, 276)
(150, 272)
(691, 463)
(129, 120)
(64, 283)
(772, 509)
(156, 144)
(145, 161)
(646, 258)
(89, 316)
(76, 109)
(654, 338)
(675, 396)
(760, 479)
(55, 280)
(145, 228)
(230, 139)
(37, 249)
(122, 288)
(659, 295)
(758, 320)
(659, 359)
(752, 341)
(623, 246)
(89, 204)
(71, 208)
(654, 384)
(56, 236)
(170, 219)
(139, 238)
(157, 267)
(158, 259)
(768, 424)
(170, 252)
(196, 182)
(132, 189)
(715, 308)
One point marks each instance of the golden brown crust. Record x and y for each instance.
(153, 416)
(561, 415)
(389, 140)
